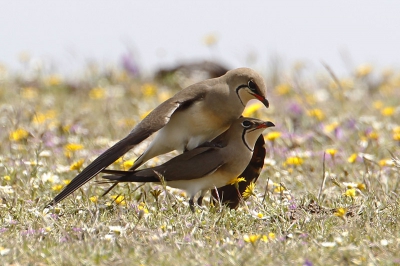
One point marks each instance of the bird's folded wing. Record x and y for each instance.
(193, 164)
(158, 118)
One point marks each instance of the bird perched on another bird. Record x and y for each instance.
(195, 115)
(209, 166)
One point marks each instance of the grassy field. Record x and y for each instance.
(331, 169)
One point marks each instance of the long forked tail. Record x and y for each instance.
(141, 176)
(101, 162)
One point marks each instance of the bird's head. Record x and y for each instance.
(247, 84)
(251, 129)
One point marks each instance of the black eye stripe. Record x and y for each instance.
(252, 86)
(237, 92)
(244, 139)
(246, 124)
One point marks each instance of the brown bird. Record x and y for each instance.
(206, 167)
(191, 117)
(230, 195)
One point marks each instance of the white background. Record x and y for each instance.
(69, 33)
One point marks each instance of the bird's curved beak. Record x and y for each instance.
(262, 99)
(269, 124)
(266, 125)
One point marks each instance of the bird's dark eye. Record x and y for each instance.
(246, 124)
(252, 86)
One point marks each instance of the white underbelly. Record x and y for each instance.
(193, 186)
(190, 128)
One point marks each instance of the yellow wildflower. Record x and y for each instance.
(41, 118)
(210, 39)
(388, 111)
(97, 93)
(73, 147)
(70, 148)
(352, 158)
(385, 162)
(396, 136)
(317, 113)
(66, 181)
(266, 238)
(363, 70)
(142, 207)
(249, 191)
(347, 83)
(283, 89)
(273, 135)
(127, 164)
(57, 187)
(271, 236)
(361, 186)
(251, 109)
(373, 135)
(344, 83)
(341, 212)
(66, 128)
(149, 90)
(396, 133)
(331, 152)
(118, 199)
(351, 192)
(331, 127)
(118, 161)
(251, 238)
(94, 199)
(349, 184)
(377, 104)
(7, 178)
(29, 92)
(164, 95)
(278, 188)
(237, 180)
(53, 80)
(77, 165)
(293, 161)
(19, 134)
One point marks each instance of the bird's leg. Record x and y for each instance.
(191, 204)
(200, 200)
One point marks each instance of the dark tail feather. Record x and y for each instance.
(141, 176)
(112, 177)
(101, 162)
(116, 172)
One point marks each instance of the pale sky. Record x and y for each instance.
(160, 33)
